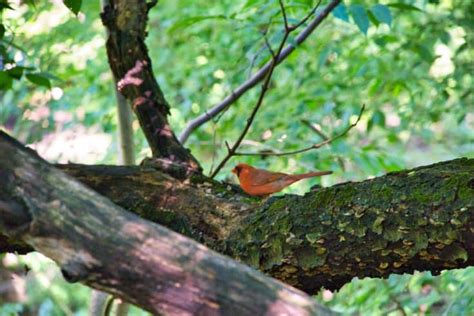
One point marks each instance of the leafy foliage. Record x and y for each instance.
(410, 62)
(73, 5)
(422, 293)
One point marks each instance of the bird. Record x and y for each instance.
(260, 182)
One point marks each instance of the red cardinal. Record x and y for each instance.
(261, 182)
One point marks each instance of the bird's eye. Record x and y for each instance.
(237, 169)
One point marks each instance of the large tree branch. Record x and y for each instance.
(257, 77)
(99, 244)
(419, 219)
(131, 66)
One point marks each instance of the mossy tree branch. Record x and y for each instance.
(101, 245)
(419, 219)
(131, 66)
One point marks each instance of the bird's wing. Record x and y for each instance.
(263, 177)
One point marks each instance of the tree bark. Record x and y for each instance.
(419, 219)
(131, 66)
(101, 245)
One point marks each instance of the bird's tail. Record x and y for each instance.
(297, 177)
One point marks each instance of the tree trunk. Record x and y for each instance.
(101, 245)
(420, 219)
(131, 66)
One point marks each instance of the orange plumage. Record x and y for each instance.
(261, 182)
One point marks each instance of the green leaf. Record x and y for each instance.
(254, 3)
(39, 79)
(31, 3)
(360, 17)
(423, 52)
(340, 12)
(16, 72)
(377, 119)
(2, 31)
(444, 37)
(186, 22)
(5, 5)
(323, 56)
(6, 81)
(372, 18)
(403, 6)
(73, 5)
(382, 14)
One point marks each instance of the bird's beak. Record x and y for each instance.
(234, 171)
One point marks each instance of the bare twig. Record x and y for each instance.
(269, 47)
(315, 129)
(303, 21)
(283, 12)
(232, 150)
(321, 134)
(260, 74)
(314, 146)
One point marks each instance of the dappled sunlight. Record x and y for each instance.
(217, 92)
(443, 65)
(45, 20)
(130, 77)
(408, 62)
(79, 55)
(165, 131)
(288, 303)
(201, 60)
(37, 114)
(136, 229)
(78, 144)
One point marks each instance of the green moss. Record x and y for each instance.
(379, 244)
(271, 252)
(396, 217)
(253, 256)
(392, 233)
(308, 257)
(313, 237)
(455, 252)
(377, 225)
(292, 240)
(420, 240)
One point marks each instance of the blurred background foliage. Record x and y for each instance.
(409, 61)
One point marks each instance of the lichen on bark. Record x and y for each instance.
(419, 219)
(325, 238)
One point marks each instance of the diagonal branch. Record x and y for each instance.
(321, 134)
(258, 76)
(99, 244)
(131, 66)
(302, 150)
(288, 29)
(418, 219)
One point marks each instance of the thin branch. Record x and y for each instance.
(315, 129)
(306, 17)
(233, 149)
(314, 146)
(265, 85)
(285, 18)
(135, 80)
(269, 47)
(258, 76)
(321, 134)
